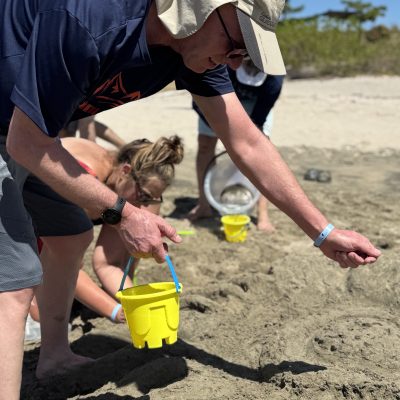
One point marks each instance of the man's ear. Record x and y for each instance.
(126, 168)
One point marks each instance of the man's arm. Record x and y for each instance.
(141, 231)
(259, 160)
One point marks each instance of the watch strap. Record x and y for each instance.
(113, 214)
(119, 205)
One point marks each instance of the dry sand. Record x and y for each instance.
(269, 318)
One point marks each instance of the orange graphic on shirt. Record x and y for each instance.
(110, 94)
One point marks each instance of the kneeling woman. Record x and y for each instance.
(139, 172)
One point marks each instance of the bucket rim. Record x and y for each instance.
(246, 218)
(150, 295)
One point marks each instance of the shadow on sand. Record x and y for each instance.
(118, 362)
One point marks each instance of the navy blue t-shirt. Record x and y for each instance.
(62, 60)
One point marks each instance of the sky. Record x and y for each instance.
(312, 7)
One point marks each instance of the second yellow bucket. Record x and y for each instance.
(152, 310)
(235, 227)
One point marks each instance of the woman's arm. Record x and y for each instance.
(95, 298)
(109, 259)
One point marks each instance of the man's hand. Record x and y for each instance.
(142, 233)
(349, 249)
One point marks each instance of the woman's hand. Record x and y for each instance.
(120, 317)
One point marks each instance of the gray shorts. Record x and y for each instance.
(53, 215)
(19, 261)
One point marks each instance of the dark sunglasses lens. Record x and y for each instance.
(236, 54)
(150, 202)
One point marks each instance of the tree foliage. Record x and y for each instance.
(289, 10)
(361, 12)
(336, 43)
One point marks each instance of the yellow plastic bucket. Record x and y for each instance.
(235, 227)
(152, 313)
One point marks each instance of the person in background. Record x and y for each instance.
(140, 172)
(258, 93)
(65, 60)
(90, 129)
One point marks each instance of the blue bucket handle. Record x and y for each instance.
(170, 265)
(172, 270)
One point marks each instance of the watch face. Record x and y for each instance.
(111, 216)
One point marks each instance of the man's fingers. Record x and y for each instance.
(169, 232)
(339, 257)
(373, 251)
(355, 258)
(141, 254)
(159, 254)
(361, 258)
(370, 260)
(366, 249)
(345, 261)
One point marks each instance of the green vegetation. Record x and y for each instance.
(336, 42)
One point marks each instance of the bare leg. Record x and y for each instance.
(263, 223)
(61, 259)
(14, 308)
(205, 153)
(108, 135)
(69, 130)
(34, 310)
(87, 128)
(90, 129)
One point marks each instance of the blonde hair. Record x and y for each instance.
(149, 159)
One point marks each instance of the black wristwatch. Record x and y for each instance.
(113, 215)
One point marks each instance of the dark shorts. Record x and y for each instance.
(19, 261)
(53, 215)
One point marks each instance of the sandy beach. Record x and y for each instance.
(269, 318)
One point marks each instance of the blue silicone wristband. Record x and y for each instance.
(115, 312)
(323, 235)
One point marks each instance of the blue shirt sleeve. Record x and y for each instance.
(60, 65)
(213, 82)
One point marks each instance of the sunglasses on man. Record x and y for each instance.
(234, 52)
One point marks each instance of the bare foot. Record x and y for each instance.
(60, 364)
(265, 226)
(199, 212)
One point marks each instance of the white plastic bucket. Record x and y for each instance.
(221, 174)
